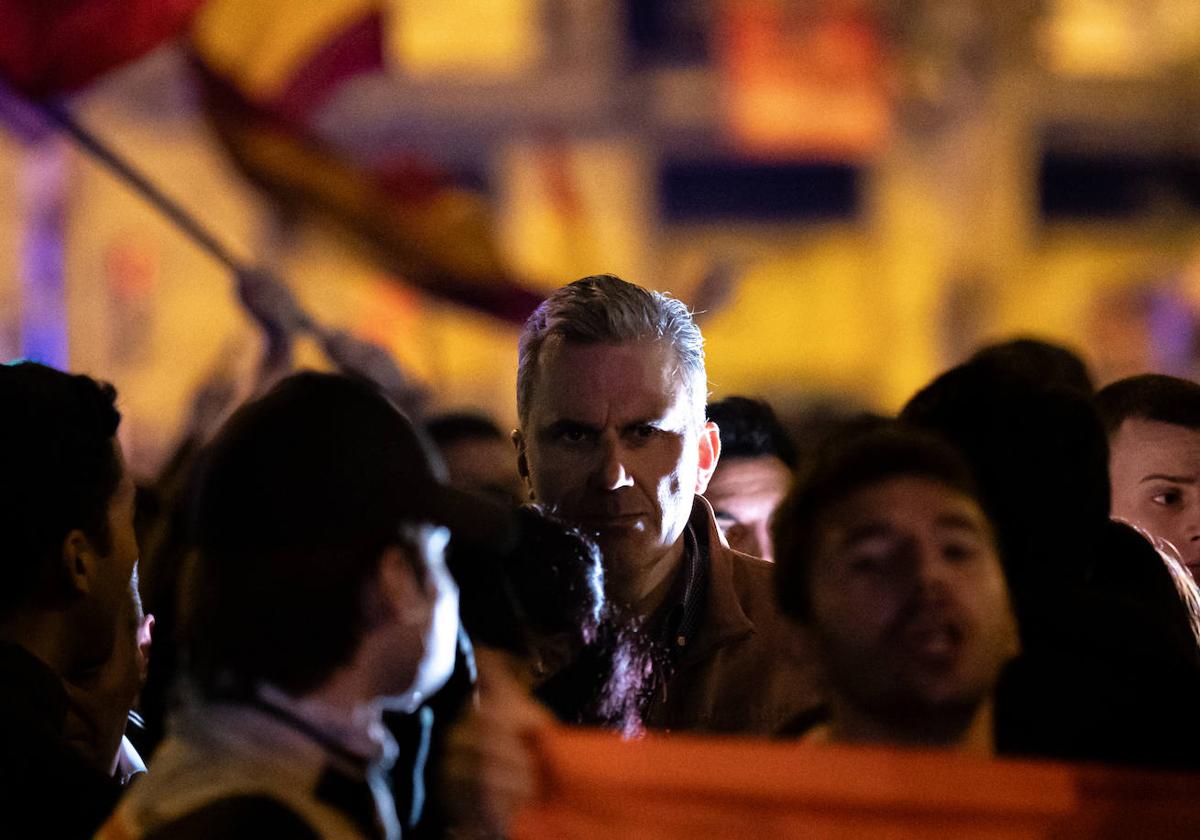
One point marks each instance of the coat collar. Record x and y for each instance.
(724, 619)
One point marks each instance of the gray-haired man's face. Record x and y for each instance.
(612, 443)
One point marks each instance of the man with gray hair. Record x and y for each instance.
(611, 391)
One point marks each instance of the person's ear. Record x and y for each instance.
(80, 563)
(710, 453)
(144, 632)
(518, 441)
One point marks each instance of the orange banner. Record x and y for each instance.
(689, 787)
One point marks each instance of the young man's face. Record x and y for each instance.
(100, 699)
(1155, 472)
(109, 635)
(612, 443)
(744, 493)
(909, 604)
(97, 615)
(123, 547)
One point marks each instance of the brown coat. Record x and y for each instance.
(743, 672)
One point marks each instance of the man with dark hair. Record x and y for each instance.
(67, 557)
(478, 455)
(1038, 360)
(1153, 425)
(888, 564)
(753, 474)
(1108, 669)
(611, 391)
(320, 599)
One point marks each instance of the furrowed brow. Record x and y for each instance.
(567, 425)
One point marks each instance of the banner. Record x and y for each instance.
(674, 787)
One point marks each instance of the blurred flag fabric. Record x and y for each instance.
(267, 68)
(49, 47)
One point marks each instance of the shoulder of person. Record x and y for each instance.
(248, 817)
(754, 584)
(752, 576)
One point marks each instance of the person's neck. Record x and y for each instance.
(342, 715)
(644, 593)
(45, 635)
(967, 733)
(346, 695)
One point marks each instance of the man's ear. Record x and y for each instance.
(710, 453)
(518, 440)
(80, 563)
(144, 632)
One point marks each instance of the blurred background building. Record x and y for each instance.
(855, 194)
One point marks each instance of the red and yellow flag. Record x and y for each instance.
(49, 47)
(268, 68)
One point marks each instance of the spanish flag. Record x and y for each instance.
(50, 47)
(268, 67)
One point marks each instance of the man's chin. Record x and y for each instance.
(621, 539)
(628, 552)
(614, 527)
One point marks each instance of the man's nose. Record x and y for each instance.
(1190, 544)
(763, 544)
(930, 569)
(1191, 529)
(613, 472)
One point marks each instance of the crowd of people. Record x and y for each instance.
(361, 619)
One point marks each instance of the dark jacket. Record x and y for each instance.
(47, 787)
(1108, 670)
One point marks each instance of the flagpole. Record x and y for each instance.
(184, 220)
(262, 292)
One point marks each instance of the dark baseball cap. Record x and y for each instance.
(324, 463)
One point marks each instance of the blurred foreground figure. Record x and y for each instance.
(68, 558)
(1153, 425)
(542, 609)
(889, 566)
(318, 599)
(753, 474)
(478, 455)
(1109, 668)
(611, 390)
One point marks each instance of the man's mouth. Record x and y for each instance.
(934, 639)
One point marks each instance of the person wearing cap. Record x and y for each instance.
(318, 599)
(611, 392)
